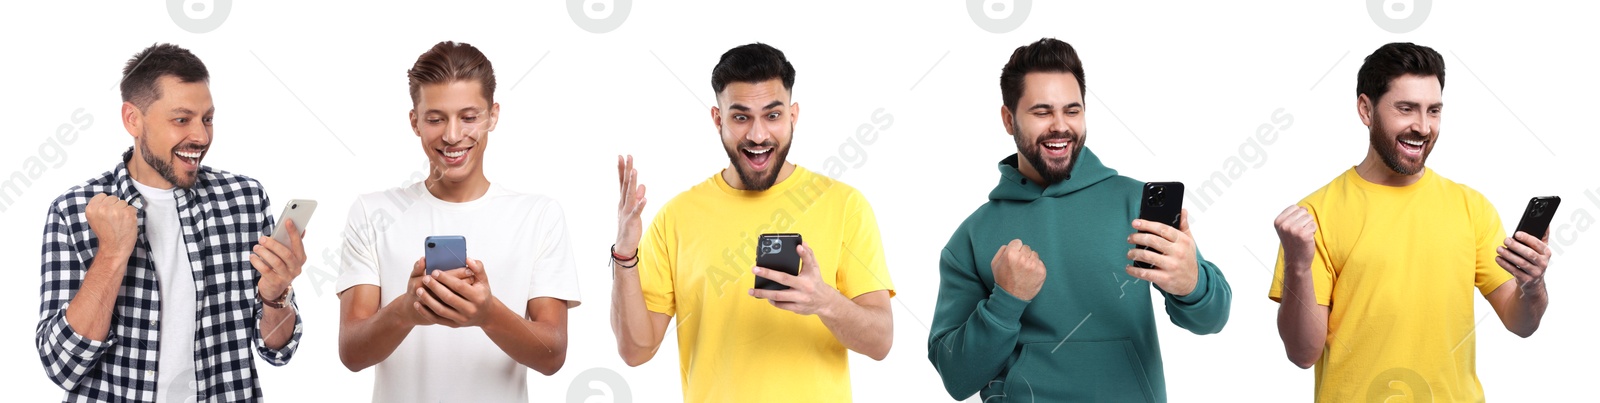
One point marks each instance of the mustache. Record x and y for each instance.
(1057, 136)
(748, 144)
(192, 147)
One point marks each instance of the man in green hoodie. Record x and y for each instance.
(1059, 313)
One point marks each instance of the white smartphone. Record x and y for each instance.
(299, 211)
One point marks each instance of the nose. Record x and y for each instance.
(455, 131)
(1058, 123)
(759, 133)
(201, 135)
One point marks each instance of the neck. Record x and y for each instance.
(731, 175)
(1372, 169)
(467, 190)
(144, 174)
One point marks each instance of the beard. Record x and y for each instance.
(163, 167)
(1031, 151)
(759, 181)
(1390, 152)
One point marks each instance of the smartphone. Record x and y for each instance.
(299, 211)
(1536, 219)
(1162, 202)
(445, 252)
(777, 252)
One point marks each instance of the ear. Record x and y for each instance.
(132, 119)
(794, 113)
(1364, 108)
(494, 117)
(716, 119)
(1007, 120)
(413, 118)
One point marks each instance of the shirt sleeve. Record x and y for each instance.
(66, 355)
(1322, 274)
(1487, 274)
(280, 356)
(655, 266)
(555, 273)
(863, 268)
(359, 254)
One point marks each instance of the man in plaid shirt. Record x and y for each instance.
(146, 294)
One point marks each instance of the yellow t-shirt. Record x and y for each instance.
(695, 262)
(1396, 266)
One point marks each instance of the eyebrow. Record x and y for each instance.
(466, 109)
(742, 108)
(1047, 106)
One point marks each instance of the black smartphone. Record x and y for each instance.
(1536, 219)
(1162, 202)
(777, 252)
(444, 252)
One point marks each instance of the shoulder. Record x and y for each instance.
(227, 186)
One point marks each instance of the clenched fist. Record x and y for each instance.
(1297, 231)
(1017, 270)
(115, 224)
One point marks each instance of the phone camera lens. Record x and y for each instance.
(430, 244)
(294, 206)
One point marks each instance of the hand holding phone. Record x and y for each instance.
(1536, 218)
(1162, 202)
(299, 211)
(777, 252)
(444, 252)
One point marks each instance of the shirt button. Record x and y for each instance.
(152, 323)
(150, 373)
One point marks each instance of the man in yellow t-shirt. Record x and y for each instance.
(1376, 273)
(696, 261)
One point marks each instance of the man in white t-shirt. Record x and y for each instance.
(517, 242)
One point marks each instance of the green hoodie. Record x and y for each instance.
(1090, 333)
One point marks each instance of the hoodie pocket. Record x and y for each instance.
(1078, 371)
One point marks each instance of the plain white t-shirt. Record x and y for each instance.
(522, 241)
(170, 256)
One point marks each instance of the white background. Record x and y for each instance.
(312, 101)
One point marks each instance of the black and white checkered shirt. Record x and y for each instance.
(221, 215)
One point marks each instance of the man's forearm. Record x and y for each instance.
(630, 319)
(89, 313)
(364, 342)
(1530, 306)
(1302, 322)
(534, 344)
(276, 326)
(865, 329)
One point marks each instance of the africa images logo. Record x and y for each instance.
(199, 16)
(1399, 16)
(599, 16)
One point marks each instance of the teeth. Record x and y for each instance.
(453, 154)
(190, 155)
(753, 151)
(1415, 143)
(1056, 144)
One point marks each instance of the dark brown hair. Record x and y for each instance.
(1048, 55)
(1394, 60)
(448, 62)
(140, 74)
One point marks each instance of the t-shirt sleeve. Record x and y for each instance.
(1487, 275)
(358, 263)
(1322, 273)
(862, 269)
(555, 271)
(656, 267)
